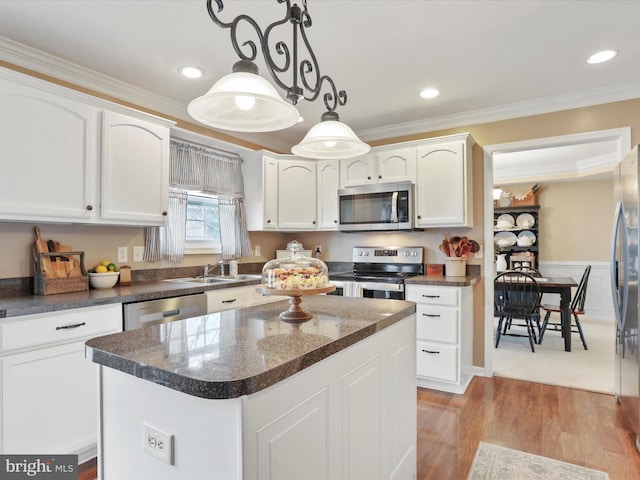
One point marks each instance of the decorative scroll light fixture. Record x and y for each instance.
(245, 102)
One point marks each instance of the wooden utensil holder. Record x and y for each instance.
(77, 281)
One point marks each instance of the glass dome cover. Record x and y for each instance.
(295, 272)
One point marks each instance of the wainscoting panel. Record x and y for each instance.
(598, 304)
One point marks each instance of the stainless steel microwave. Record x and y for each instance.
(376, 207)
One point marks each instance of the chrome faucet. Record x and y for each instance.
(208, 268)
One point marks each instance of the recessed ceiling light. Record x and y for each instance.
(191, 72)
(602, 56)
(429, 93)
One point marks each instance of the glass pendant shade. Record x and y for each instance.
(330, 139)
(243, 101)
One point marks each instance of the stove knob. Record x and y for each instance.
(366, 254)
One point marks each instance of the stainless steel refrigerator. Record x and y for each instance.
(624, 286)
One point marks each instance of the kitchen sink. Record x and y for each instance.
(213, 279)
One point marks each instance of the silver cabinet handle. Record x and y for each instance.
(431, 296)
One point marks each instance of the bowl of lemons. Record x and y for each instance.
(104, 275)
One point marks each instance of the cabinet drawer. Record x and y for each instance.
(62, 326)
(437, 361)
(449, 296)
(229, 298)
(437, 324)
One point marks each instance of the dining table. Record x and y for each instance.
(562, 286)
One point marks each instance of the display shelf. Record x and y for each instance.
(518, 250)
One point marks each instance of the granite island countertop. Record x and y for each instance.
(442, 281)
(240, 352)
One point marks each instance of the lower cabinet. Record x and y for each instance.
(444, 336)
(49, 400)
(349, 416)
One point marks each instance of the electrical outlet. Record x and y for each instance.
(256, 250)
(122, 255)
(138, 254)
(158, 443)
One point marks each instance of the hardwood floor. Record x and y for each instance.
(571, 425)
(575, 426)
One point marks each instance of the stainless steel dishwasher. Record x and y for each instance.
(164, 310)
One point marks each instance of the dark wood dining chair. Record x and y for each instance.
(577, 309)
(517, 297)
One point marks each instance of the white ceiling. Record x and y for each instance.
(491, 60)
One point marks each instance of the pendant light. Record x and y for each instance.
(330, 139)
(245, 102)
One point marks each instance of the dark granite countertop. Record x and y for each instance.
(28, 304)
(442, 281)
(240, 352)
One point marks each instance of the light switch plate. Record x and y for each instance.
(122, 255)
(138, 254)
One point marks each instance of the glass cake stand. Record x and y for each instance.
(295, 315)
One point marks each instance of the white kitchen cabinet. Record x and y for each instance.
(351, 415)
(134, 170)
(396, 165)
(230, 298)
(328, 183)
(49, 389)
(70, 157)
(358, 171)
(296, 195)
(444, 183)
(49, 155)
(444, 336)
(260, 175)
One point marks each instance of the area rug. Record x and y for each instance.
(493, 462)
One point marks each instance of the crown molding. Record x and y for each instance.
(36, 60)
(585, 98)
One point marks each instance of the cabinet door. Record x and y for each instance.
(443, 186)
(397, 165)
(328, 175)
(270, 205)
(49, 401)
(296, 195)
(49, 155)
(358, 171)
(135, 171)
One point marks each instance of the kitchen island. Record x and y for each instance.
(242, 395)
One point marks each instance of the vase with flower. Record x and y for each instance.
(456, 250)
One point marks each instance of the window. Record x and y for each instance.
(203, 224)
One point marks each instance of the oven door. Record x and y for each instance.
(390, 291)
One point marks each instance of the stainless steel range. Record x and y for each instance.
(379, 272)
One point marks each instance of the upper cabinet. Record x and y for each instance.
(327, 185)
(358, 171)
(135, 170)
(69, 157)
(49, 155)
(444, 183)
(297, 195)
(383, 166)
(396, 165)
(280, 192)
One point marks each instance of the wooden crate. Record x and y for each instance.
(529, 200)
(44, 283)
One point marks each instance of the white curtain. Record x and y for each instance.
(219, 173)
